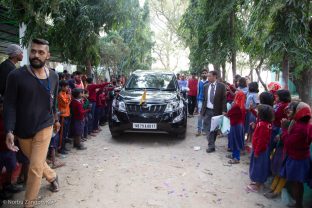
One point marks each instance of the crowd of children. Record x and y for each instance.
(83, 107)
(280, 131)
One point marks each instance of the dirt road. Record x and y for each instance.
(152, 171)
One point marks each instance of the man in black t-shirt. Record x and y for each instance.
(30, 114)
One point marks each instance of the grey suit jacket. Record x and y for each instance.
(219, 102)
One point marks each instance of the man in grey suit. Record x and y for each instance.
(214, 104)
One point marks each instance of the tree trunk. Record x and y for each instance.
(259, 76)
(89, 68)
(223, 71)
(303, 85)
(285, 71)
(233, 50)
(216, 67)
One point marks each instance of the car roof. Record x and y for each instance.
(142, 72)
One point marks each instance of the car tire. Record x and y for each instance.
(115, 134)
(181, 135)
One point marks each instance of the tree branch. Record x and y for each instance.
(257, 69)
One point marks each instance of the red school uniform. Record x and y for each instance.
(279, 113)
(297, 141)
(236, 115)
(77, 109)
(261, 137)
(92, 90)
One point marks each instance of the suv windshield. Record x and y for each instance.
(152, 81)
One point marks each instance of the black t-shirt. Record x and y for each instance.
(28, 105)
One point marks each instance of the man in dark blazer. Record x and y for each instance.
(214, 104)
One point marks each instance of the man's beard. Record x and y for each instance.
(36, 63)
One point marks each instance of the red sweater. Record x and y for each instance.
(236, 115)
(3, 146)
(261, 137)
(92, 90)
(297, 141)
(279, 113)
(78, 111)
(192, 85)
(101, 100)
(229, 96)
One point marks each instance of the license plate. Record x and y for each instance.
(144, 126)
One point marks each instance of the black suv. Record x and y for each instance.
(149, 102)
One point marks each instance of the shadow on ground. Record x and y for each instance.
(147, 139)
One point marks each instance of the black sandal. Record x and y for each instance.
(54, 187)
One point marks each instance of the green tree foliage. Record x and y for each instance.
(276, 32)
(280, 32)
(73, 27)
(212, 30)
(136, 33)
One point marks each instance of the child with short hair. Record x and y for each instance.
(64, 100)
(297, 139)
(88, 116)
(78, 118)
(259, 168)
(236, 136)
(252, 100)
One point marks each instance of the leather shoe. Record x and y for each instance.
(55, 185)
(210, 150)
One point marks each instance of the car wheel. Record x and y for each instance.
(181, 135)
(115, 134)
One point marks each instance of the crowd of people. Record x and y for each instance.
(40, 112)
(278, 129)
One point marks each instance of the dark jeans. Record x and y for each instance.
(91, 117)
(86, 129)
(98, 114)
(66, 125)
(104, 116)
(191, 104)
(211, 135)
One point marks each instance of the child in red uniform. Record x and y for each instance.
(278, 158)
(297, 139)
(236, 136)
(259, 168)
(282, 99)
(78, 118)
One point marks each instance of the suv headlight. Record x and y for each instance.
(119, 105)
(174, 105)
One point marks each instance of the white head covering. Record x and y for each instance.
(13, 50)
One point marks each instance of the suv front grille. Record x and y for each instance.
(149, 108)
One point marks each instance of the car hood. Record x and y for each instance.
(151, 96)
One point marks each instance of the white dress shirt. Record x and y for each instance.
(209, 104)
